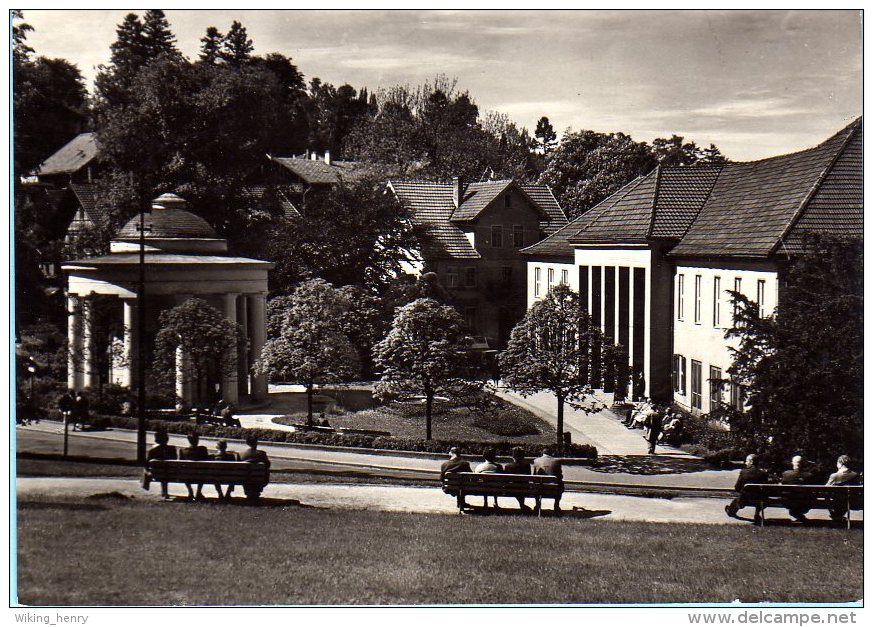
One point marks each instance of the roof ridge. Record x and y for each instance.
(801, 209)
(855, 123)
(655, 196)
(628, 188)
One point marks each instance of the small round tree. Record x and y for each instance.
(421, 355)
(551, 350)
(310, 348)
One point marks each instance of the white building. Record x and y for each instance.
(655, 261)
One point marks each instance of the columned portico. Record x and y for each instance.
(130, 349)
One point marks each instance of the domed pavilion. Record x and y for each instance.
(184, 258)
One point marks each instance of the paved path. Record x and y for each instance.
(603, 428)
(642, 470)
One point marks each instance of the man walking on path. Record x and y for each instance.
(654, 423)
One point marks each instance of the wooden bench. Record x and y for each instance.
(764, 495)
(253, 477)
(539, 487)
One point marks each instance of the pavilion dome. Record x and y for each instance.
(170, 227)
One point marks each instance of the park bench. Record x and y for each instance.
(538, 487)
(253, 477)
(764, 495)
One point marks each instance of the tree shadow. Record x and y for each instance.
(648, 464)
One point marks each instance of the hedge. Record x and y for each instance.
(581, 451)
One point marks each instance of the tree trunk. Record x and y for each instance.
(428, 408)
(309, 405)
(560, 420)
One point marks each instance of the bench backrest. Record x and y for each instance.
(208, 471)
(499, 483)
(853, 494)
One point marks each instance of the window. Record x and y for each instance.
(551, 277)
(680, 290)
(496, 236)
(715, 388)
(716, 301)
(761, 285)
(518, 236)
(679, 374)
(697, 298)
(538, 277)
(696, 384)
(565, 277)
(470, 277)
(738, 399)
(470, 318)
(451, 276)
(738, 288)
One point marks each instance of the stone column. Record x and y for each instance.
(130, 342)
(89, 351)
(229, 388)
(258, 330)
(74, 343)
(242, 318)
(184, 382)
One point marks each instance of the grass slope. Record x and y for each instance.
(111, 551)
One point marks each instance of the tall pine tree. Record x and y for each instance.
(237, 47)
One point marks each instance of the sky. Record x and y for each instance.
(755, 83)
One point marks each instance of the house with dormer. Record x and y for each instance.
(477, 231)
(654, 262)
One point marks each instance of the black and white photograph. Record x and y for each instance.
(436, 308)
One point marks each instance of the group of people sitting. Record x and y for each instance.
(660, 424)
(195, 451)
(800, 474)
(543, 465)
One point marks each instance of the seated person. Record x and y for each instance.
(195, 452)
(750, 474)
(489, 465)
(844, 476)
(221, 454)
(252, 454)
(545, 464)
(796, 476)
(454, 463)
(161, 450)
(672, 433)
(518, 466)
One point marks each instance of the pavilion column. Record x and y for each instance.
(229, 387)
(130, 342)
(258, 329)
(184, 383)
(89, 351)
(74, 343)
(242, 319)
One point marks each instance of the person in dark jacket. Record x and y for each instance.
(750, 474)
(66, 404)
(81, 411)
(797, 476)
(844, 476)
(161, 450)
(545, 464)
(518, 466)
(654, 424)
(455, 463)
(195, 452)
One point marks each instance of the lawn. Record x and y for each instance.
(105, 551)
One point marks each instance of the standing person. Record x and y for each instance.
(489, 465)
(518, 466)
(844, 476)
(545, 464)
(194, 452)
(654, 423)
(66, 404)
(750, 474)
(81, 411)
(796, 476)
(161, 450)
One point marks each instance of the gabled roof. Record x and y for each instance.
(320, 173)
(86, 195)
(257, 193)
(71, 157)
(432, 204)
(681, 194)
(626, 220)
(754, 206)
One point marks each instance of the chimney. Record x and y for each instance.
(327, 157)
(314, 156)
(457, 190)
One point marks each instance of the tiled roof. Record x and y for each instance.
(320, 173)
(628, 219)
(681, 194)
(257, 193)
(171, 222)
(71, 157)
(752, 205)
(86, 194)
(837, 207)
(431, 204)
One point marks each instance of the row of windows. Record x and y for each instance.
(538, 279)
(715, 380)
(453, 279)
(516, 232)
(719, 298)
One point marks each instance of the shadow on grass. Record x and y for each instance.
(575, 513)
(648, 465)
(214, 501)
(61, 505)
(809, 524)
